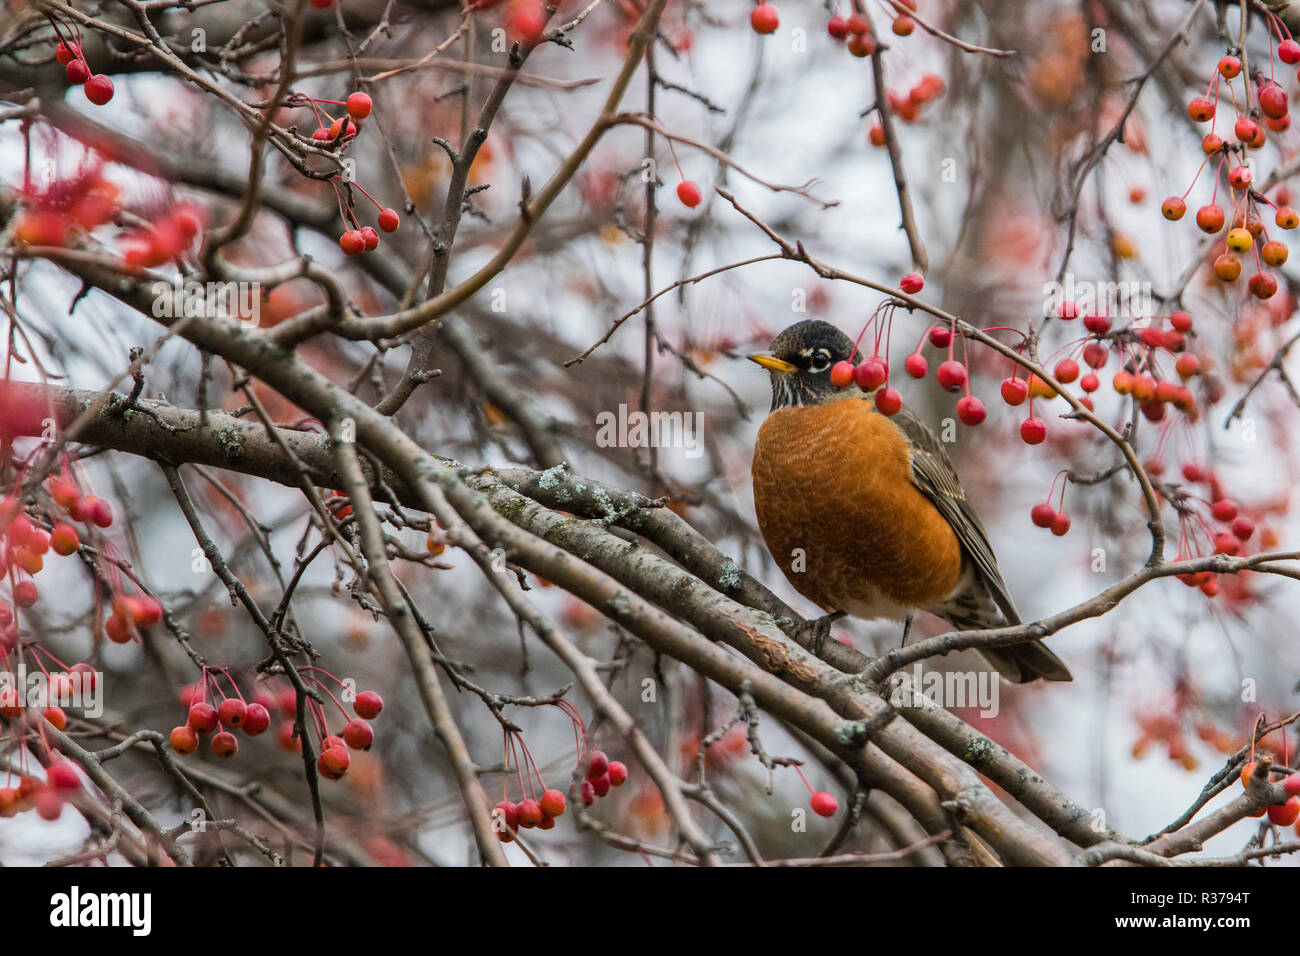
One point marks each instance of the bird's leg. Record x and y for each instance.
(812, 634)
(907, 626)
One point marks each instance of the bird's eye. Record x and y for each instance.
(820, 361)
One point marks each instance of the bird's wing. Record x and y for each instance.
(934, 475)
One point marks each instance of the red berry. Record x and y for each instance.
(224, 744)
(333, 762)
(1060, 524)
(509, 814)
(1042, 514)
(688, 193)
(1229, 67)
(232, 713)
(1288, 51)
(63, 539)
(99, 89)
(368, 704)
(842, 374)
(952, 375)
(764, 19)
(1262, 285)
(940, 336)
(526, 23)
(62, 775)
(912, 283)
(1239, 177)
(530, 813)
(48, 804)
(1173, 208)
(1098, 324)
(1225, 509)
(837, 27)
(359, 105)
(56, 716)
(146, 611)
(888, 401)
(65, 54)
(352, 242)
(389, 220)
(862, 45)
(600, 785)
(597, 764)
(1272, 100)
(1033, 431)
(1066, 371)
(1245, 129)
(1209, 218)
(203, 717)
(871, 373)
(1243, 528)
(257, 720)
(1291, 785)
(1014, 391)
(588, 793)
(183, 739)
(617, 773)
(1201, 109)
(553, 803)
(916, 365)
(1180, 321)
(824, 805)
(1285, 814)
(370, 237)
(358, 734)
(25, 593)
(77, 72)
(971, 410)
(858, 23)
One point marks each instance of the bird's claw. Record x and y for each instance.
(812, 634)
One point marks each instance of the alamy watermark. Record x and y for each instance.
(945, 689)
(193, 299)
(1118, 300)
(38, 689)
(638, 429)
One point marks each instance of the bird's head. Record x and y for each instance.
(800, 363)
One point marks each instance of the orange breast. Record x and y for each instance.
(841, 516)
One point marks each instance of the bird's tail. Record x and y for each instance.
(1022, 663)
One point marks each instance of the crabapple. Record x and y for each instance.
(764, 19)
(825, 805)
(368, 704)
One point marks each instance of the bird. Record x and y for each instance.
(864, 512)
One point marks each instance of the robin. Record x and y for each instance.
(865, 513)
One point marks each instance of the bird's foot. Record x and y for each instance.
(812, 634)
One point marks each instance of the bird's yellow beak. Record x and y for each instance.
(773, 364)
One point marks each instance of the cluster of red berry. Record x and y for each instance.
(1288, 811)
(1246, 231)
(907, 106)
(856, 30)
(165, 240)
(98, 87)
(26, 544)
(235, 713)
(338, 132)
(46, 796)
(872, 372)
(599, 775)
(52, 214)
